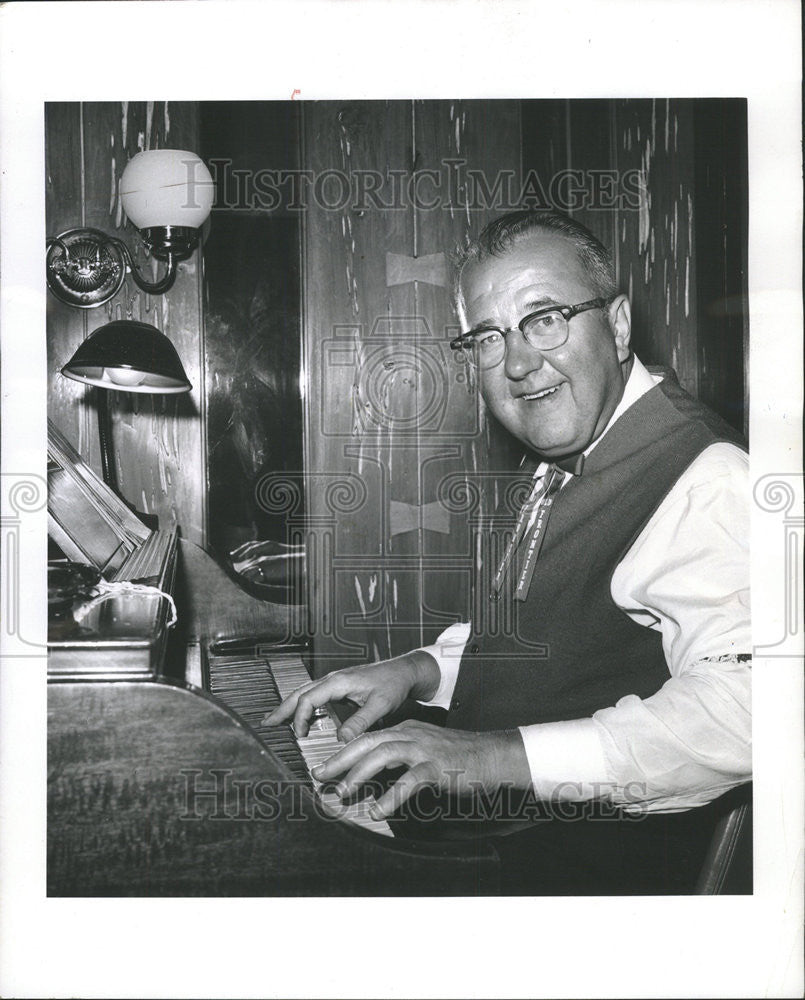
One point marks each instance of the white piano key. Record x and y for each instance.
(246, 686)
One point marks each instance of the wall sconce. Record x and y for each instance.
(167, 194)
(130, 357)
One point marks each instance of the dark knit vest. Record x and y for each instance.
(568, 650)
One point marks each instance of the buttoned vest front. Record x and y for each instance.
(568, 650)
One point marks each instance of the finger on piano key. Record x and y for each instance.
(376, 746)
(312, 701)
(288, 707)
(250, 686)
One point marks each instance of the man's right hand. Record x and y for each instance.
(378, 688)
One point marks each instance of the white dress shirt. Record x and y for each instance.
(687, 576)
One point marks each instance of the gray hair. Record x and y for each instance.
(500, 234)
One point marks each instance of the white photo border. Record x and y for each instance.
(728, 946)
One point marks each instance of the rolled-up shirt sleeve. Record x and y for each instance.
(687, 576)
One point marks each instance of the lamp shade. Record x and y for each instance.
(130, 357)
(167, 187)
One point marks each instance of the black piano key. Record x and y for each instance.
(249, 687)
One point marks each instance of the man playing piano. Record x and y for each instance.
(621, 697)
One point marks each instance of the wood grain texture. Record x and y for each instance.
(391, 414)
(69, 403)
(359, 388)
(462, 450)
(590, 165)
(212, 607)
(721, 248)
(159, 440)
(657, 242)
(155, 789)
(629, 176)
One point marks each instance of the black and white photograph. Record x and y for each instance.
(339, 438)
(406, 461)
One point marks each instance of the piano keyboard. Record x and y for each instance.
(253, 686)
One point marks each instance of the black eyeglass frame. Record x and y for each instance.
(567, 313)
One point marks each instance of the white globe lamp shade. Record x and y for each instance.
(167, 187)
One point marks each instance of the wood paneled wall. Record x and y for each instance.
(393, 425)
(394, 428)
(396, 443)
(159, 440)
(662, 183)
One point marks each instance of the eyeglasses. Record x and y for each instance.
(544, 330)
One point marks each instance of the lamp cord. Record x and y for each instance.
(105, 439)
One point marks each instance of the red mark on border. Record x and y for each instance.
(293, 95)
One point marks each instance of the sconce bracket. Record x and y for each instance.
(166, 242)
(84, 267)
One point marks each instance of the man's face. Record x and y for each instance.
(583, 377)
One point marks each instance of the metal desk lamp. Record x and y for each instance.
(128, 357)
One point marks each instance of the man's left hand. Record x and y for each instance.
(444, 758)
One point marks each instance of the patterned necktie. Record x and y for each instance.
(541, 499)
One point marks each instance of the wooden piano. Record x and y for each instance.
(161, 779)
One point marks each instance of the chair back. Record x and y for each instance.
(727, 868)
